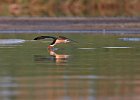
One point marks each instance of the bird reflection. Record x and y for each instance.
(59, 59)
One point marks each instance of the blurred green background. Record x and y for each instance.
(84, 8)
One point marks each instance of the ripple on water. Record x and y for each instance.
(11, 41)
(86, 48)
(130, 39)
(117, 47)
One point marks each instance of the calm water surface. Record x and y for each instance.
(98, 67)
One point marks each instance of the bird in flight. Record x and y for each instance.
(56, 40)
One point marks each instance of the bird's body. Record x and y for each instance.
(56, 40)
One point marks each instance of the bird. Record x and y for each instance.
(56, 40)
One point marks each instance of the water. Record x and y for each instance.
(98, 67)
(104, 31)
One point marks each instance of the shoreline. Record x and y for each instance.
(69, 24)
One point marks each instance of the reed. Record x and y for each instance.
(69, 7)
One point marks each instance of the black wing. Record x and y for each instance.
(44, 37)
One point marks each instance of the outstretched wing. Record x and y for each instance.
(44, 37)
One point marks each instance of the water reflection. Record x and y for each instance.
(104, 72)
(60, 83)
(6, 85)
(59, 59)
(68, 87)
